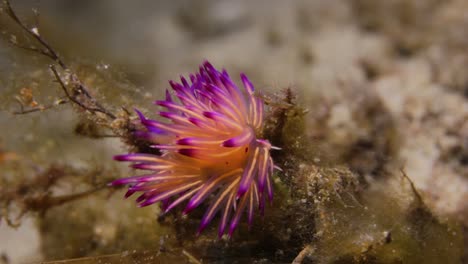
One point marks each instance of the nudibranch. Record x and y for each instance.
(209, 150)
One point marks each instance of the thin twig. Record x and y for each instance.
(64, 87)
(41, 108)
(49, 52)
(32, 110)
(73, 98)
(31, 48)
(42, 205)
(36, 195)
(413, 188)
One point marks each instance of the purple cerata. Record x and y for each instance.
(209, 149)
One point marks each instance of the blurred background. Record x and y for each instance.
(385, 84)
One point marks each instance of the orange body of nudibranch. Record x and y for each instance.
(209, 146)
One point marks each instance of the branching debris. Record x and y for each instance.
(36, 195)
(28, 104)
(71, 85)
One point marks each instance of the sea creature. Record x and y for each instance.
(209, 150)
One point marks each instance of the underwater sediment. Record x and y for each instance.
(367, 101)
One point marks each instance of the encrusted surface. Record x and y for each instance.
(356, 91)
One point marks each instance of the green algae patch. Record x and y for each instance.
(335, 214)
(386, 223)
(90, 228)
